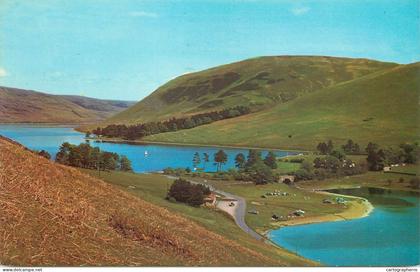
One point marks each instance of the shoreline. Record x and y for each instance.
(143, 142)
(76, 126)
(358, 208)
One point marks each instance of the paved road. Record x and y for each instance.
(238, 211)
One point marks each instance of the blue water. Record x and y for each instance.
(389, 236)
(158, 156)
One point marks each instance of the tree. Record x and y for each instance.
(196, 197)
(307, 166)
(260, 173)
(125, 164)
(44, 154)
(189, 123)
(206, 159)
(184, 191)
(254, 156)
(319, 163)
(196, 160)
(348, 147)
(63, 153)
(220, 158)
(339, 154)
(375, 159)
(110, 161)
(332, 163)
(240, 161)
(270, 160)
(371, 147)
(411, 152)
(322, 148)
(330, 147)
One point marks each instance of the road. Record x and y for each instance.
(238, 211)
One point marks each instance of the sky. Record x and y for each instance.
(126, 49)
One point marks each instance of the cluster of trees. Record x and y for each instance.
(254, 167)
(339, 153)
(174, 124)
(328, 148)
(334, 164)
(220, 158)
(184, 191)
(327, 167)
(86, 156)
(351, 147)
(379, 157)
(250, 168)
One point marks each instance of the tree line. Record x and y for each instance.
(145, 129)
(86, 156)
(378, 158)
(336, 164)
(250, 168)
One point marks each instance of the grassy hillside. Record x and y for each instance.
(255, 82)
(55, 215)
(23, 106)
(153, 188)
(381, 107)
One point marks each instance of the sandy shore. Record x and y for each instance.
(356, 208)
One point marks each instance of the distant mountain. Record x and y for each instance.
(258, 83)
(381, 107)
(25, 106)
(54, 215)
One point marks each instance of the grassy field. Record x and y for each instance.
(296, 199)
(255, 82)
(153, 188)
(286, 167)
(381, 107)
(307, 200)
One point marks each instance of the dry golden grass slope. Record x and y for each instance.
(52, 214)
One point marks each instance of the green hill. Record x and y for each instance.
(382, 107)
(257, 82)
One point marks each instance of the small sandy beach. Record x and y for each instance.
(356, 208)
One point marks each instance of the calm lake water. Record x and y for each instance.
(389, 236)
(158, 156)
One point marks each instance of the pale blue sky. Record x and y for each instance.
(125, 49)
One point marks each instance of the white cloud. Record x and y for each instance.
(3, 72)
(300, 10)
(143, 14)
